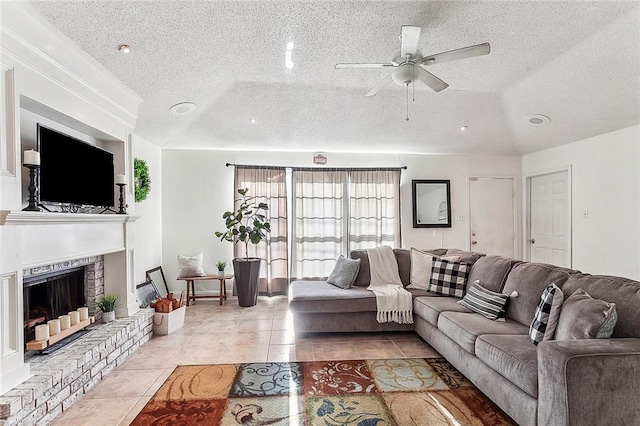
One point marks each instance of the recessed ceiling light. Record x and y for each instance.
(124, 48)
(288, 56)
(537, 119)
(183, 108)
(252, 121)
(463, 128)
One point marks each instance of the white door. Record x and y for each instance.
(491, 216)
(549, 219)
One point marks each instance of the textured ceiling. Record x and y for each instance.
(577, 62)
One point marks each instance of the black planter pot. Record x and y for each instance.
(246, 274)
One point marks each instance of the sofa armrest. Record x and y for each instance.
(594, 381)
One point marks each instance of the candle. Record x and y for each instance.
(84, 313)
(54, 327)
(65, 322)
(31, 157)
(121, 179)
(75, 317)
(42, 332)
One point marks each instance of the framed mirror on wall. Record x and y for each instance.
(431, 203)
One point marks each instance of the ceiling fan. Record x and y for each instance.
(409, 62)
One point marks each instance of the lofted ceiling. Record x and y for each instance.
(577, 62)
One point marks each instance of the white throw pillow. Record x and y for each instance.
(421, 263)
(190, 266)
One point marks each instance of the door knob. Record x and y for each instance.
(474, 242)
(533, 241)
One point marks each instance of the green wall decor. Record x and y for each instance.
(142, 179)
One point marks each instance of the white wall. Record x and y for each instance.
(198, 188)
(605, 182)
(148, 228)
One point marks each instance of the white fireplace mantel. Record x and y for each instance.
(8, 217)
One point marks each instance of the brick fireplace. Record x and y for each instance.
(36, 388)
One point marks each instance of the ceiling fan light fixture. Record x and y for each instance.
(403, 75)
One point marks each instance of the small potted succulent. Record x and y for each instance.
(221, 265)
(107, 304)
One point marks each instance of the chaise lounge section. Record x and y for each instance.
(558, 382)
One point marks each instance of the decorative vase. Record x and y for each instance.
(246, 276)
(221, 273)
(108, 316)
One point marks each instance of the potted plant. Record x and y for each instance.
(248, 224)
(107, 305)
(221, 265)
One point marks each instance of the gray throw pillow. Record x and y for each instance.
(345, 272)
(583, 317)
(190, 266)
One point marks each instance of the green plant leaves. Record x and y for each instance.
(248, 223)
(142, 181)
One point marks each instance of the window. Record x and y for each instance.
(334, 211)
(337, 211)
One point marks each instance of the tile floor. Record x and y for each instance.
(214, 334)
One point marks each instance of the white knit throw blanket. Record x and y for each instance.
(394, 303)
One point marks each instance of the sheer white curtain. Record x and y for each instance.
(374, 208)
(268, 185)
(320, 224)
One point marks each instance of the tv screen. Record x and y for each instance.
(74, 172)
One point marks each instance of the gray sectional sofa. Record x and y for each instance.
(577, 382)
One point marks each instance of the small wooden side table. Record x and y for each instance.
(191, 291)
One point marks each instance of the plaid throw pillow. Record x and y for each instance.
(544, 322)
(485, 302)
(448, 278)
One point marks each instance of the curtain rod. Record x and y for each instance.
(330, 169)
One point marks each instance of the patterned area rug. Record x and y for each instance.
(379, 392)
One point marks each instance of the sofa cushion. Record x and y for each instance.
(320, 296)
(421, 265)
(448, 278)
(465, 256)
(429, 308)
(530, 280)
(512, 356)
(492, 271)
(344, 273)
(583, 317)
(403, 257)
(464, 328)
(487, 303)
(545, 320)
(364, 273)
(625, 293)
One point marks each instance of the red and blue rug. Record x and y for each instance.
(380, 392)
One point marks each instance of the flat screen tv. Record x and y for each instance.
(74, 172)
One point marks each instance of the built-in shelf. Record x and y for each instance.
(11, 217)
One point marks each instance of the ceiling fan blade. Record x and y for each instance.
(409, 40)
(430, 80)
(378, 87)
(342, 66)
(453, 55)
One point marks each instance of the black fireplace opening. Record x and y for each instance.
(50, 295)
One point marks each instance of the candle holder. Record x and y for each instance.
(33, 189)
(123, 206)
